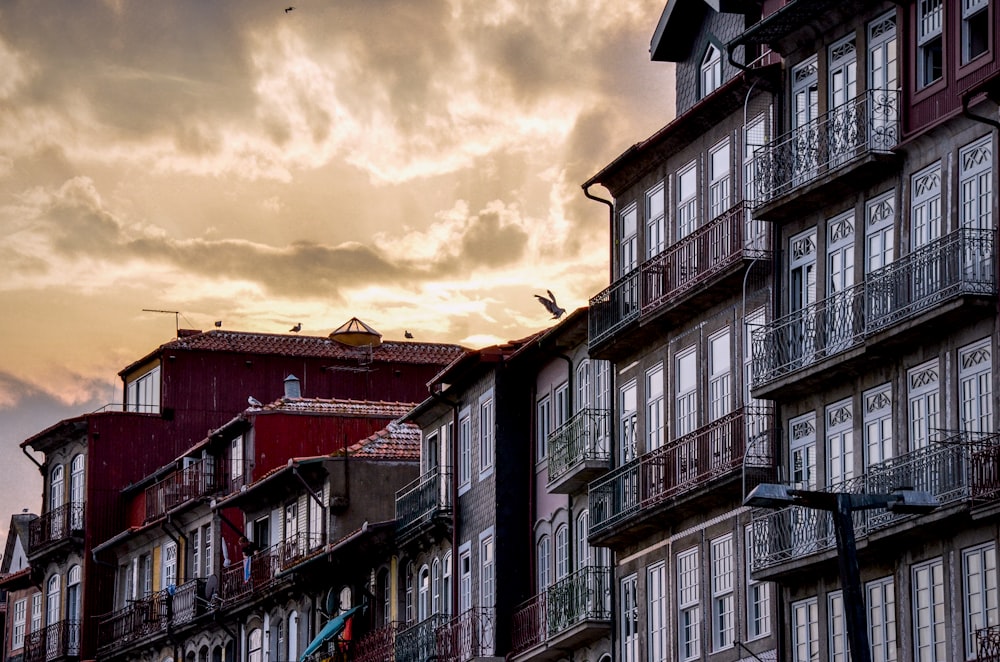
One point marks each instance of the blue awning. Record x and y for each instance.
(332, 628)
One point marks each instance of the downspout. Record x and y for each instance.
(611, 217)
(966, 100)
(31, 457)
(454, 495)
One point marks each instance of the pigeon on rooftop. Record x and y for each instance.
(296, 328)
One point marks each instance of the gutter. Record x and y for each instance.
(611, 218)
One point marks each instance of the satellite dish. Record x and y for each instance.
(332, 602)
(211, 586)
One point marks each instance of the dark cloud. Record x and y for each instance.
(491, 243)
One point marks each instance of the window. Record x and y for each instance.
(922, 401)
(930, 51)
(464, 452)
(36, 612)
(878, 423)
(711, 70)
(487, 430)
(686, 402)
(20, 623)
(431, 455)
(487, 565)
(979, 588)
(654, 408)
(880, 237)
(584, 552)
(76, 496)
(687, 200)
(436, 586)
(408, 592)
(145, 569)
(236, 459)
(723, 599)
(602, 402)
(293, 636)
(975, 184)
(839, 443)
(975, 29)
(929, 625)
(758, 597)
(975, 379)
(881, 602)
(805, 631)
(57, 488)
(543, 559)
(385, 595)
(628, 258)
(53, 594)
(626, 438)
(169, 576)
(655, 231)
(544, 428)
(255, 645)
(925, 204)
(194, 552)
(656, 610)
(562, 552)
(629, 619)
(73, 606)
(688, 607)
(720, 382)
(142, 394)
(718, 183)
(465, 578)
(802, 272)
(423, 594)
(805, 109)
(446, 583)
(802, 449)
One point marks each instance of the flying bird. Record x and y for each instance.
(551, 305)
(288, 9)
(296, 328)
(254, 402)
(407, 334)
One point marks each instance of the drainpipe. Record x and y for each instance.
(454, 496)
(611, 216)
(31, 457)
(966, 100)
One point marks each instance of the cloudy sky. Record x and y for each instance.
(416, 163)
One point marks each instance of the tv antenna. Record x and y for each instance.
(175, 313)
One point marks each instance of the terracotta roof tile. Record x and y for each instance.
(398, 441)
(338, 407)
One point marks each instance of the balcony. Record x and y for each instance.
(297, 548)
(378, 645)
(423, 505)
(467, 636)
(925, 285)
(54, 642)
(988, 644)
(683, 278)
(253, 577)
(149, 616)
(961, 470)
(579, 450)
(572, 612)
(624, 502)
(418, 643)
(60, 525)
(827, 157)
(613, 310)
(191, 482)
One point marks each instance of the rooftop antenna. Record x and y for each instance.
(175, 313)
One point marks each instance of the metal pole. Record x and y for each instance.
(850, 580)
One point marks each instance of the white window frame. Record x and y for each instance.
(720, 379)
(142, 394)
(628, 606)
(839, 442)
(975, 184)
(973, 10)
(655, 414)
(710, 70)
(923, 402)
(687, 199)
(723, 581)
(930, 40)
(926, 214)
(877, 403)
(975, 386)
(627, 398)
(487, 434)
(802, 451)
(836, 628)
(20, 624)
(562, 407)
(628, 258)
(446, 575)
(758, 599)
(464, 451)
(464, 577)
(543, 427)
(657, 610)
(686, 391)
(543, 562)
(805, 630)
(36, 611)
(168, 574)
(880, 599)
(562, 551)
(979, 592)
(656, 205)
(688, 605)
(423, 593)
(487, 570)
(927, 601)
(880, 231)
(719, 178)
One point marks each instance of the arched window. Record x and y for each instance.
(423, 593)
(73, 578)
(57, 487)
(446, 583)
(346, 598)
(544, 560)
(408, 604)
(562, 552)
(76, 497)
(384, 596)
(582, 547)
(436, 586)
(293, 636)
(255, 646)
(52, 595)
(584, 392)
(711, 70)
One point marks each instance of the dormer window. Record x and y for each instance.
(142, 394)
(711, 70)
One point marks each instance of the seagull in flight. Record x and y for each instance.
(296, 328)
(254, 402)
(288, 9)
(551, 305)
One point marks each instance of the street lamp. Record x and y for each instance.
(903, 501)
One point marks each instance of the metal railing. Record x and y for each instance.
(297, 548)
(421, 499)
(688, 463)
(867, 124)
(584, 595)
(694, 260)
(467, 636)
(614, 308)
(530, 623)
(191, 482)
(251, 576)
(150, 615)
(418, 642)
(378, 645)
(55, 526)
(584, 437)
(54, 641)
(961, 468)
(988, 644)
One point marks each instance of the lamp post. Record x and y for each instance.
(841, 505)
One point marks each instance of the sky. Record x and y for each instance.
(414, 163)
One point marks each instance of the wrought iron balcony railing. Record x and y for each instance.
(530, 623)
(467, 636)
(191, 482)
(988, 644)
(584, 437)
(56, 641)
(614, 308)
(418, 642)
(958, 264)
(150, 615)
(55, 526)
(714, 451)
(867, 124)
(297, 548)
(378, 645)
(419, 501)
(255, 575)
(584, 595)
(693, 261)
(962, 468)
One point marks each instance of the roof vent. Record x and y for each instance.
(356, 333)
(293, 388)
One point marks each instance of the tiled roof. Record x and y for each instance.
(341, 407)
(398, 441)
(314, 346)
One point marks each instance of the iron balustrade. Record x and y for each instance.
(418, 642)
(584, 437)
(958, 469)
(467, 636)
(867, 124)
(235, 476)
(378, 645)
(957, 264)
(988, 644)
(530, 623)
(714, 451)
(58, 640)
(55, 526)
(581, 596)
(694, 260)
(421, 499)
(614, 308)
(297, 548)
(150, 615)
(193, 481)
(236, 583)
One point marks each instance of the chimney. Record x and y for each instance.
(293, 389)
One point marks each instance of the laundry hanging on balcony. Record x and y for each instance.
(333, 627)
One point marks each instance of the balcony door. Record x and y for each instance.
(840, 278)
(628, 259)
(805, 108)
(76, 497)
(800, 342)
(926, 227)
(57, 499)
(883, 81)
(842, 127)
